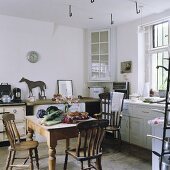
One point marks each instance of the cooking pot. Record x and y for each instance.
(6, 99)
(166, 141)
(165, 162)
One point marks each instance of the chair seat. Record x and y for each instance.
(82, 156)
(26, 145)
(112, 128)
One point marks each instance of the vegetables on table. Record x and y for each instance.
(53, 118)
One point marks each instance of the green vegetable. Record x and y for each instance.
(53, 118)
(53, 122)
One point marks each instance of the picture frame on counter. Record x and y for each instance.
(65, 87)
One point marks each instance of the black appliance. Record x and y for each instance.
(17, 95)
(5, 89)
(122, 87)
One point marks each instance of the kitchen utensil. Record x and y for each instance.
(6, 99)
(166, 141)
(17, 95)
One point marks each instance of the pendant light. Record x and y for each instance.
(112, 22)
(70, 13)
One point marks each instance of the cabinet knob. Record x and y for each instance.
(14, 111)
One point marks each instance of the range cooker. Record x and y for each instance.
(7, 95)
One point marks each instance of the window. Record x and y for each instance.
(159, 53)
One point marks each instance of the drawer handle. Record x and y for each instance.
(145, 112)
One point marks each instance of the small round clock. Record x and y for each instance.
(32, 56)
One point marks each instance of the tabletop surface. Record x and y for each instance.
(37, 121)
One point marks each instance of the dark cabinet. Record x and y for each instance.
(92, 107)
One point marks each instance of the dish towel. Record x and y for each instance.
(116, 101)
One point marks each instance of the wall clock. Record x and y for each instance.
(32, 56)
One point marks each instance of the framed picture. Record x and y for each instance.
(65, 87)
(126, 67)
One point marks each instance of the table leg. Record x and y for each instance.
(30, 134)
(67, 143)
(52, 157)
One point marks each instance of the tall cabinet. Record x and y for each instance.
(99, 55)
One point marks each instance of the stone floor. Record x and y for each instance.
(129, 158)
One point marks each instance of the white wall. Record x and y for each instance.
(128, 49)
(61, 51)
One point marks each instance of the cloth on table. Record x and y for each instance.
(158, 120)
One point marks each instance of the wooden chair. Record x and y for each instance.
(111, 109)
(16, 145)
(90, 138)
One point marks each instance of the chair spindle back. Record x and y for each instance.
(11, 129)
(91, 135)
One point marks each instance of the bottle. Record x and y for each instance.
(151, 93)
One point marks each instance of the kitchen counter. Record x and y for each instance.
(141, 103)
(12, 104)
(92, 105)
(49, 101)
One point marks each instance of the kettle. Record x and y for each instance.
(6, 99)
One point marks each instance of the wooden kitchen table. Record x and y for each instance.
(52, 134)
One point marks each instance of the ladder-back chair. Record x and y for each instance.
(89, 144)
(16, 145)
(111, 109)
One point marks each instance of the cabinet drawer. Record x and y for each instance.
(19, 111)
(1, 110)
(141, 111)
(1, 126)
(1, 136)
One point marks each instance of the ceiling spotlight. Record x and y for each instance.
(90, 17)
(70, 13)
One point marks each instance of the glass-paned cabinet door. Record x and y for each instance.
(99, 65)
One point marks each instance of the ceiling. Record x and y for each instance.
(58, 11)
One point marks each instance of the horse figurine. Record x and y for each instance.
(34, 84)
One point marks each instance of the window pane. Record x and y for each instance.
(155, 37)
(95, 58)
(165, 33)
(104, 36)
(94, 49)
(165, 73)
(160, 70)
(95, 67)
(104, 58)
(154, 72)
(104, 48)
(94, 37)
(159, 35)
